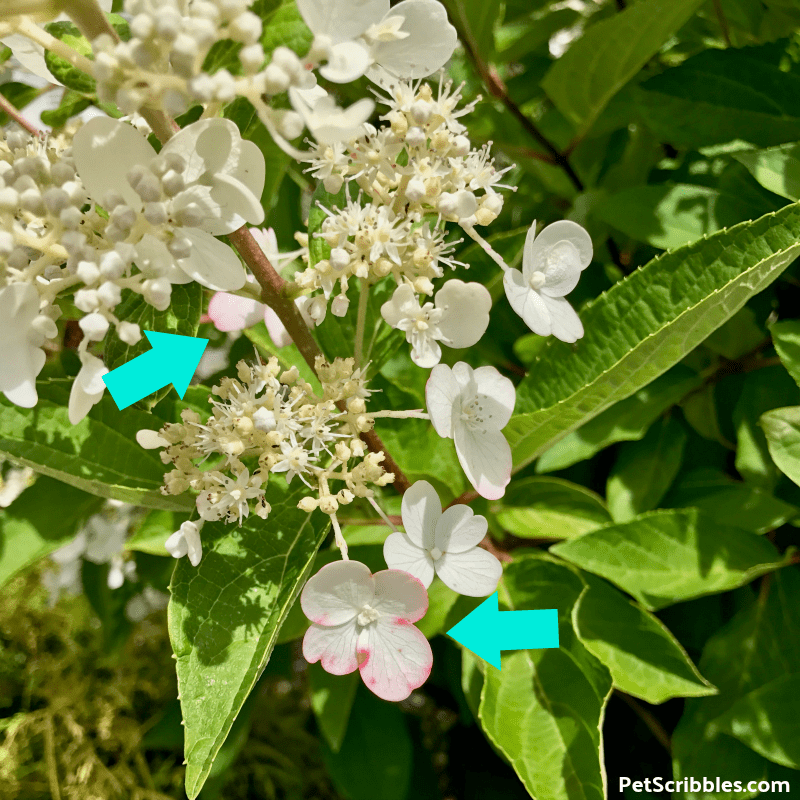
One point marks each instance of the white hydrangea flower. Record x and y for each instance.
(206, 180)
(472, 407)
(364, 621)
(442, 543)
(87, 388)
(186, 541)
(23, 332)
(411, 40)
(458, 317)
(328, 123)
(552, 263)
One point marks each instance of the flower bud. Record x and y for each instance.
(129, 332)
(94, 326)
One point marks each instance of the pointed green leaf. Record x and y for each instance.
(99, 455)
(782, 428)
(609, 54)
(645, 469)
(786, 338)
(225, 615)
(551, 508)
(645, 324)
(626, 421)
(766, 720)
(643, 657)
(747, 95)
(776, 168)
(667, 556)
(760, 644)
(544, 709)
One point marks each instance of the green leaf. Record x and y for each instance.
(475, 23)
(667, 556)
(609, 54)
(718, 96)
(646, 323)
(671, 215)
(99, 455)
(766, 720)
(225, 614)
(644, 470)
(760, 644)
(763, 390)
(332, 699)
(441, 599)
(60, 68)
(375, 760)
(283, 26)
(786, 338)
(544, 710)
(626, 421)
(551, 508)
(730, 502)
(782, 429)
(153, 532)
(72, 103)
(776, 168)
(44, 517)
(181, 317)
(643, 657)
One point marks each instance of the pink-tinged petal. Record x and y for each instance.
(567, 325)
(459, 530)
(526, 302)
(104, 150)
(430, 42)
(474, 573)
(564, 230)
(401, 553)
(276, 329)
(229, 312)
(466, 309)
(496, 396)
(420, 509)
(485, 458)
(212, 263)
(334, 647)
(441, 393)
(337, 593)
(398, 594)
(394, 659)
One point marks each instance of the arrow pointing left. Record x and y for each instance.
(487, 630)
(173, 360)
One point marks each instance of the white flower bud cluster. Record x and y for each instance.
(50, 246)
(269, 420)
(161, 66)
(420, 164)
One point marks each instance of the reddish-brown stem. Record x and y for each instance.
(274, 295)
(12, 112)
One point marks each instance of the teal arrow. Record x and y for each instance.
(173, 359)
(487, 630)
